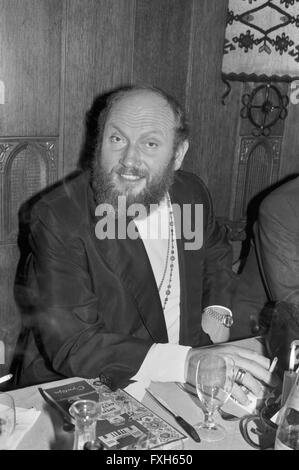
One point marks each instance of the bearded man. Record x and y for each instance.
(129, 308)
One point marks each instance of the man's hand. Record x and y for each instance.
(255, 365)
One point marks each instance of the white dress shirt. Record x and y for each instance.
(163, 362)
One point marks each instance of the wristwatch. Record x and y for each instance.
(225, 319)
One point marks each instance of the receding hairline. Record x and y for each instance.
(121, 96)
(181, 126)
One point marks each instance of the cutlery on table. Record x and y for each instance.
(224, 414)
(228, 416)
(68, 424)
(190, 430)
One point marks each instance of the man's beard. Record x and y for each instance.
(106, 192)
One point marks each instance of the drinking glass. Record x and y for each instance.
(86, 414)
(214, 383)
(7, 418)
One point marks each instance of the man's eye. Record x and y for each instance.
(116, 139)
(151, 145)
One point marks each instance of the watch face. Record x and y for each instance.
(228, 321)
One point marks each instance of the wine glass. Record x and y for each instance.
(7, 418)
(214, 382)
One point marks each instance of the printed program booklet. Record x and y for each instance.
(122, 419)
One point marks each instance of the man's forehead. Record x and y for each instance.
(143, 107)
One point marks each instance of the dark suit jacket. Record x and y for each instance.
(271, 272)
(278, 236)
(97, 306)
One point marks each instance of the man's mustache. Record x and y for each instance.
(130, 172)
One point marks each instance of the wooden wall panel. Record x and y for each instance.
(9, 315)
(161, 44)
(30, 33)
(98, 56)
(30, 59)
(214, 126)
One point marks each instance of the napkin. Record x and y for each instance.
(254, 403)
(25, 419)
(138, 389)
(241, 409)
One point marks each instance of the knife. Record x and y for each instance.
(190, 430)
(188, 388)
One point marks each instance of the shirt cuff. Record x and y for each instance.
(163, 363)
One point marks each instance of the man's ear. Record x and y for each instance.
(180, 154)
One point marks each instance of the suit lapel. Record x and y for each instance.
(190, 268)
(128, 259)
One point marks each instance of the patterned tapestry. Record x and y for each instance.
(261, 40)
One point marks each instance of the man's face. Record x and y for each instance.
(137, 153)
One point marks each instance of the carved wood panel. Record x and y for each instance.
(27, 165)
(257, 166)
(258, 169)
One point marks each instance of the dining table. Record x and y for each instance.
(47, 433)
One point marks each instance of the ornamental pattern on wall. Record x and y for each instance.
(262, 40)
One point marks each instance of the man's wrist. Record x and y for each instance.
(191, 362)
(187, 361)
(221, 314)
(216, 322)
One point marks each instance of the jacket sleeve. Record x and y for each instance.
(278, 236)
(219, 278)
(69, 327)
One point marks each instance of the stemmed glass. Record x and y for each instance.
(214, 383)
(7, 418)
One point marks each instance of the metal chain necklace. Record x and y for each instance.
(170, 250)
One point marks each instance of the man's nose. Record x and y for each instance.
(131, 156)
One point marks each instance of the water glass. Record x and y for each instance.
(86, 414)
(214, 383)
